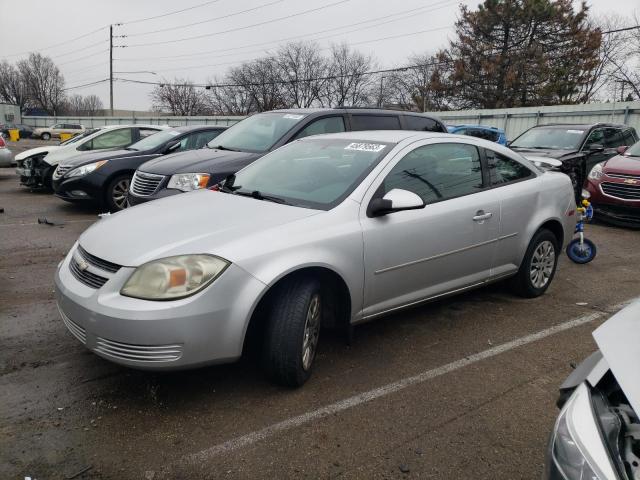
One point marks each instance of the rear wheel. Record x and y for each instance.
(538, 266)
(45, 136)
(581, 253)
(293, 331)
(117, 192)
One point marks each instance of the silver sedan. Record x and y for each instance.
(333, 230)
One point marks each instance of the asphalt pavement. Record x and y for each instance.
(460, 388)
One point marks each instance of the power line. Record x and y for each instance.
(625, 29)
(83, 49)
(57, 44)
(169, 13)
(82, 58)
(241, 28)
(86, 84)
(432, 7)
(205, 21)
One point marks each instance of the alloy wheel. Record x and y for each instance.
(542, 264)
(311, 332)
(120, 192)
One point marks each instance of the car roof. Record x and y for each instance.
(387, 136)
(470, 125)
(308, 111)
(582, 125)
(191, 128)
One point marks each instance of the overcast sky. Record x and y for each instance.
(86, 59)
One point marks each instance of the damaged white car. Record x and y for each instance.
(597, 434)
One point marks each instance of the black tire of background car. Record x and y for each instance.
(522, 284)
(282, 354)
(45, 136)
(109, 202)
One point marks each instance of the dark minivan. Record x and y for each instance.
(256, 136)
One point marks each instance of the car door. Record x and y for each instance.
(518, 192)
(447, 245)
(596, 137)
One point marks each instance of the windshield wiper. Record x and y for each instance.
(132, 149)
(222, 147)
(259, 196)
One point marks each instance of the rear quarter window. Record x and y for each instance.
(423, 124)
(375, 122)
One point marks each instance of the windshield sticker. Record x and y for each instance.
(293, 117)
(365, 147)
(173, 133)
(576, 132)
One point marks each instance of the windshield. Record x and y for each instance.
(634, 150)
(552, 138)
(257, 133)
(80, 136)
(154, 140)
(314, 173)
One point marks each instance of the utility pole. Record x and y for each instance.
(111, 69)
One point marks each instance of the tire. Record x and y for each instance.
(538, 266)
(293, 328)
(45, 136)
(116, 193)
(581, 256)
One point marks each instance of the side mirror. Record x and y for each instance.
(622, 149)
(596, 147)
(395, 201)
(172, 146)
(508, 144)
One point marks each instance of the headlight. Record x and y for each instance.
(596, 172)
(188, 181)
(577, 451)
(85, 169)
(173, 277)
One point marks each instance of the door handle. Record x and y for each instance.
(482, 216)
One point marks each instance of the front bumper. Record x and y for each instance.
(134, 199)
(206, 328)
(613, 210)
(88, 188)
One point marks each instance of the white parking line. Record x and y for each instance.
(253, 437)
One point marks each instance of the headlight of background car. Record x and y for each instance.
(188, 181)
(85, 169)
(577, 450)
(596, 172)
(173, 277)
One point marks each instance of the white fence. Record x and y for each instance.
(513, 120)
(516, 120)
(100, 121)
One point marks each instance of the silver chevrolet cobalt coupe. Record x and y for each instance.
(332, 230)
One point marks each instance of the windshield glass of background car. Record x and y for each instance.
(80, 136)
(257, 133)
(314, 173)
(634, 150)
(154, 141)
(552, 138)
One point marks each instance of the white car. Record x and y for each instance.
(6, 156)
(46, 133)
(36, 166)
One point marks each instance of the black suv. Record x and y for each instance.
(255, 136)
(103, 177)
(578, 146)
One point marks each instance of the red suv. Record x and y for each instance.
(614, 186)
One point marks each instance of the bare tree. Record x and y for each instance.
(12, 86)
(44, 82)
(179, 97)
(624, 62)
(261, 81)
(92, 105)
(229, 100)
(303, 71)
(74, 105)
(349, 85)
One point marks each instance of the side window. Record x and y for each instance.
(113, 139)
(423, 124)
(322, 125)
(200, 139)
(503, 169)
(145, 132)
(628, 137)
(438, 172)
(58, 126)
(374, 122)
(184, 144)
(613, 137)
(597, 136)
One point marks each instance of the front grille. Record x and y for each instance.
(621, 190)
(144, 353)
(623, 175)
(145, 184)
(85, 276)
(75, 329)
(98, 262)
(61, 170)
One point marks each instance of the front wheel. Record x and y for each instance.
(581, 253)
(293, 329)
(45, 136)
(117, 192)
(538, 266)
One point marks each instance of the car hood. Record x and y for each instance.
(544, 153)
(204, 160)
(36, 151)
(623, 164)
(90, 157)
(203, 221)
(66, 153)
(619, 341)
